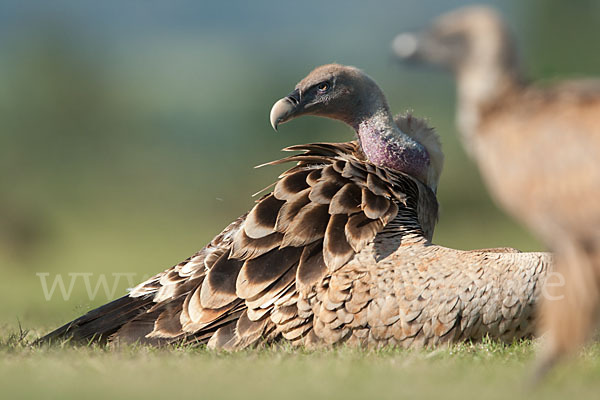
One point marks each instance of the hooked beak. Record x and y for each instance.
(426, 48)
(285, 109)
(406, 46)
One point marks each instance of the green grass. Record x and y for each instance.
(487, 370)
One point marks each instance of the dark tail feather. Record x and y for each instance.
(100, 323)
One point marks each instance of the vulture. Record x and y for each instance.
(338, 252)
(538, 149)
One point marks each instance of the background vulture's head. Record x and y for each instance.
(458, 39)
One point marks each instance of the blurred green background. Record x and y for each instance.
(129, 130)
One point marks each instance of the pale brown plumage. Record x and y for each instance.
(338, 252)
(539, 152)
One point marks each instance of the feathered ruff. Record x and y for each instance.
(418, 129)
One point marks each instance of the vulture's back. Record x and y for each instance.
(540, 153)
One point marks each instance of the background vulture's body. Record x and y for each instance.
(340, 251)
(539, 152)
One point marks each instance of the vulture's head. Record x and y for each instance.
(461, 40)
(334, 91)
(349, 95)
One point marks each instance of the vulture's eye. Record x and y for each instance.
(323, 87)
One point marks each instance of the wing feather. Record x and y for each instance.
(249, 282)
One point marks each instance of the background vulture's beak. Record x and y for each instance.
(406, 46)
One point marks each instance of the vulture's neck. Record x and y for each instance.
(486, 81)
(385, 145)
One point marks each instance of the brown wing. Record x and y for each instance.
(245, 284)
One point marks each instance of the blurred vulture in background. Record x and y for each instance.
(338, 252)
(539, 152)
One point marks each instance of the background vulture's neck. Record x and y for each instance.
(487, 80)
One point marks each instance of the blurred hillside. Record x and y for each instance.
(130, 129)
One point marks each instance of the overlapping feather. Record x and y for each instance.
(320, 214)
